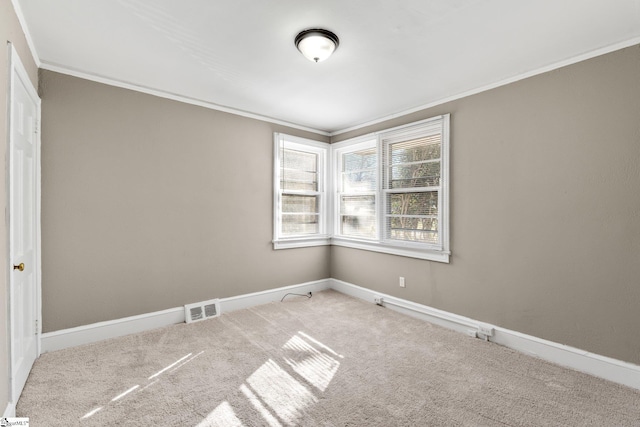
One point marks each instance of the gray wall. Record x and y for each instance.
(545, 202)
(10, 31)
(149, 203)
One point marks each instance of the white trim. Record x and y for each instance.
(579, 58)
(614, 370)
(249, 300)
(594, 364)
(173, 96)
(10, 410)
(386, 248)
(445, 166)
(38, 208)
(301, 242)
(423, 312)
(27, 33)
(58, 340)
(86, 334)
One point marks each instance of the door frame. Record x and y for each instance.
(18, 71)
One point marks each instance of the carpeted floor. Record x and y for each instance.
(330, 360)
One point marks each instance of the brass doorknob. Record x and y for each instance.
(19, 267)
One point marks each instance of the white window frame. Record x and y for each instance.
(329, 183)
(435, 252)
(337, 151)
(321, 149)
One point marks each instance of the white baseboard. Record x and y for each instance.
(591, 363)
(271, 295)
(423, 312)
(65, 338)
(608, 368)
(10, 411)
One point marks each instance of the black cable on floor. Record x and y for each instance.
(308, 295)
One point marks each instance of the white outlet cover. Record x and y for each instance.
(486, 329)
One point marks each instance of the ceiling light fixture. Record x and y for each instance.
(317, 44)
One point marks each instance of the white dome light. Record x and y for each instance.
(317, 44)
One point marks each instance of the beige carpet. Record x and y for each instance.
(326, 361)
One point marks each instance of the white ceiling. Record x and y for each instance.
(394, 56)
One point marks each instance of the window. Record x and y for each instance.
(300, 198)
(390, 191)
(357, 191)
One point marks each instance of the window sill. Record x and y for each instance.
(426, 254)
(302, 242)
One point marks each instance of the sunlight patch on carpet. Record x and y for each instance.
(121, 395)
(311, 364)
(276, 395)
(280, 391)
(321, 345)
(223, 415)
(170, 366)
(257, 404)
(91, 413)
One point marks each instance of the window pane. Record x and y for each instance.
(300, 224)
(421, 230)
(416, 150)
(416, 175)
(358, 205)
(359, 181)
(359, 160)
(299, 170)
(358, 226)
(297, 180)
(301, 160)
(299, 204)
(425, 203)
(359, 170)
(358, 216)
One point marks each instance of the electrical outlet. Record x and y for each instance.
(377, 300)
(402, 284)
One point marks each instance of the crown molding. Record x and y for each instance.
(573, 60)
(45, 65)
(27, 34)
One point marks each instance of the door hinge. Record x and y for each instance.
(37, 126)
(37, 329)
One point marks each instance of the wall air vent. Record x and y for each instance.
(201, 310)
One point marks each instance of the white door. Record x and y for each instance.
(24, 254)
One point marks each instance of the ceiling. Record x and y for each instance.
(394, 55)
